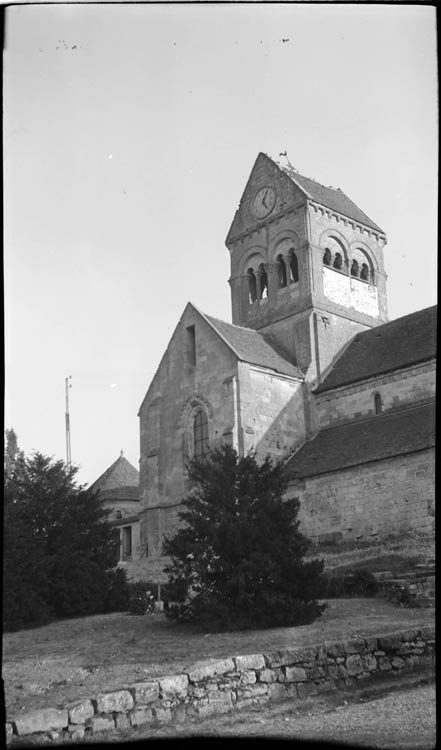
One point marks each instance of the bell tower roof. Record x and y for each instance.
(291, 185)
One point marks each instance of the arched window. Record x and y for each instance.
(338, 261)
(293, 267)
(327, 257)
(281, 271)
(200, 434)
(252, 286)
(263, 282)
(354, 268)
(365, 266)
(364, 273)
(378, 403)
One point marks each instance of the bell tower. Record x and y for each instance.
(306, 265)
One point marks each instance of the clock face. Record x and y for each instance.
(264, 202)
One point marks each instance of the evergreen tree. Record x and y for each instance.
(12, 453)
(60, 552)
(237, 561)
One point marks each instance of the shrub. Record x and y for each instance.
(353, 583)
(141, 598)
(237, 562)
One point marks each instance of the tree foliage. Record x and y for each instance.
(60, 551)
(237, 561)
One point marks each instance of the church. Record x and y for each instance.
(310, 371)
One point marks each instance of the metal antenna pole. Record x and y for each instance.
(68, 455)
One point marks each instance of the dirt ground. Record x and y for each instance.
(70, 659)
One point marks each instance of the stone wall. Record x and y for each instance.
(178, 389)
(271, 411)
(379, 498)
(216, 687)
(409, 386)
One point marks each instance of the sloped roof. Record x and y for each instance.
(391, 346)
(254, 347)
(120, 476)
(333, 198)
(125, 492)
(373, 439)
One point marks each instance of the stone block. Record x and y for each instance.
(122, 721)
(353, 664)
(412, 660)
(55, 735)
(79, 733)
(253, 691)
(336, 650)
(41, 720)
(333, 672)
(305, 654)
(179, 712)
(199, 692)
(369, 662)
(250, 661)
(398, 663)
(427, 632)
(316, 673)
(221, 701)
(295, 674)
(273, 659)
(120, 700)
(204, 669)
(384, 664)
(248, 677)
(389, 643)
(145, 692)
(102, 723)
(9, 732)
(163, 715)
(354, 646)
(141, 716)
(174, 686)
(79, 711)
(267, 675)
(371, 643)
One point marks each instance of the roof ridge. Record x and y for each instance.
(313, 179)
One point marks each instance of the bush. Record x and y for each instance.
(141, 598)
(118, 593)
(237, 562)
(353, 583)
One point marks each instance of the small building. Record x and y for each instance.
(118, 490)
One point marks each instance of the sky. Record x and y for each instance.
(129, 132)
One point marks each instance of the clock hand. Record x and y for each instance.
(263, 199)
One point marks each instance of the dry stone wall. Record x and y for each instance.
(218, 686)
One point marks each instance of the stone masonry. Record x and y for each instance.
(217, 687)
